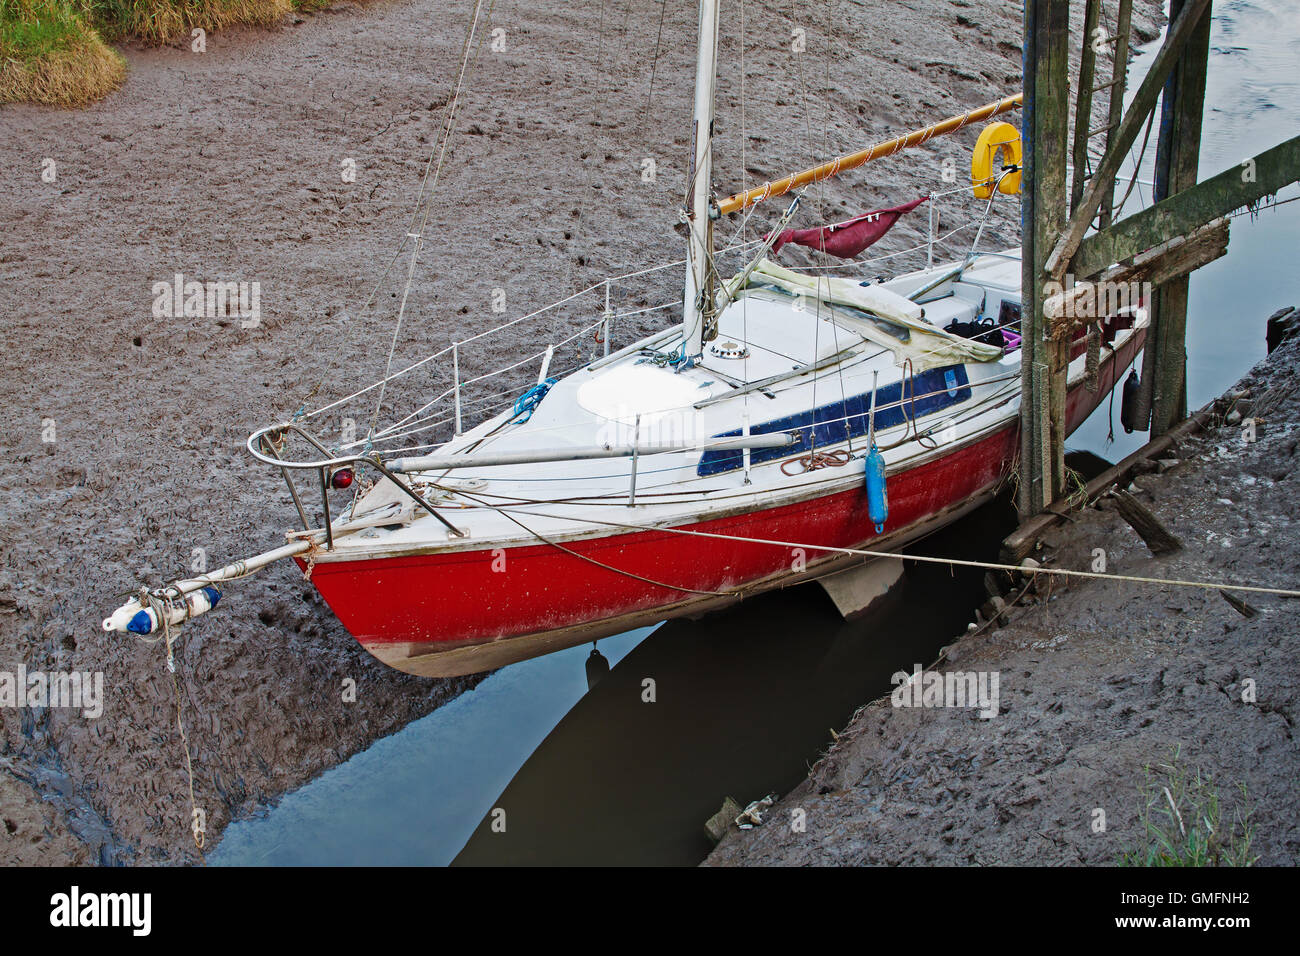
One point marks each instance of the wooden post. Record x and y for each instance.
(1177, 153)
(1118, 84)
(1043, 211)
(1083, 134)
(1083, 100)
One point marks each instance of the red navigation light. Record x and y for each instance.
(341, 478)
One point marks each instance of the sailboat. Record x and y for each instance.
(787, 422)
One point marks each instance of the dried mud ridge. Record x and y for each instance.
(226, 167)
(1097, 680)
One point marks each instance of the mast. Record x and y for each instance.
(697, 300)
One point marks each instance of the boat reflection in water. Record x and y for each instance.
(743, 702)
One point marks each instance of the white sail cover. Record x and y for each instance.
(927, 346)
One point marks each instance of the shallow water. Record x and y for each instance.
(746, 698)
(415, 797)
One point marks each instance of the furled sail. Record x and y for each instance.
(927, 346)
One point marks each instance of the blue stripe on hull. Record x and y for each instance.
(935, 389)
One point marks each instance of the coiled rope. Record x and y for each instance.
(527, 403)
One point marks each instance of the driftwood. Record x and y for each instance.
(1240, 606)
(1147, 525)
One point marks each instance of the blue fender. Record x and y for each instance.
(877, 490)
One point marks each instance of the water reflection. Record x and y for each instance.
(744, 700)
(413, 798)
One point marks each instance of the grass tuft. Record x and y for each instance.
(1182, 822)
(50, 55)
(165, 21)
(55, 51)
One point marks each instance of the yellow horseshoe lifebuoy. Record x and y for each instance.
(983, 174)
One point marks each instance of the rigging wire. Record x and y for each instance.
(426, 198)
(654, 64)
(374, 291)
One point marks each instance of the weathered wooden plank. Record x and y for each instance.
(1087, 302)
(1159, 540)
(1180, 214)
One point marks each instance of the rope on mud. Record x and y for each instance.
(160, 608)
(930, 559)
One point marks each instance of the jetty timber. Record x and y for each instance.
(1185, 229)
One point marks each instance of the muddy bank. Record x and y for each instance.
(1097, 681)
(123, 442)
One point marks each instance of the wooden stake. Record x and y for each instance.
(1158, 539)
(1177, 155)
(1240, 606)
(1083, 100)
(1118, 84)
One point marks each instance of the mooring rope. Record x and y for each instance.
(161, 607)
(425, 200)
(600, 564)
(923, 559)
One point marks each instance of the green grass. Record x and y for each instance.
(50, 54)
(57, 52)
(1183, 824)
(165, 21)
(35, 28)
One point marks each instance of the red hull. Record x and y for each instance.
(451, 613)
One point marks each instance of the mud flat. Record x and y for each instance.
(1098, 682)
(123, 433)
